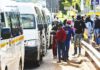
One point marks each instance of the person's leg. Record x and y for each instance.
(80, 37)
(63, 48)
(67, 50)
(55, 48)
(75, 44)
(59, 52)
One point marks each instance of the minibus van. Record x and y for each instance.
(11, 37)
(32, 30)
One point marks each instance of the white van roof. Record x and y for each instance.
(26, 8)
(7, 5)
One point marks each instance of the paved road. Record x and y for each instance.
(75, 63)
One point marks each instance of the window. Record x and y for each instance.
(14, 20)
(2, 20)
(14, 23)
(28, 21)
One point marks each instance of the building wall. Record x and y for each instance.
(53, 5)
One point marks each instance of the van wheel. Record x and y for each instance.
(20, 66)
(38, 62)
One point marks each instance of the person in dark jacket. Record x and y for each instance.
(69, 34)
(97, 30)
(60, 39)
(79, 30)
(53, 35)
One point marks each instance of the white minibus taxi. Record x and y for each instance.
(11, 37)
(41, 22)
(32, 32)
(47, 16)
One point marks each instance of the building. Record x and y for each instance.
(53, 5)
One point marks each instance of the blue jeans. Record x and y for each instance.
(60, 50)
(97, 34)
(77, 43)
(66, 53)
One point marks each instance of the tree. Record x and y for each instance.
(69, 3)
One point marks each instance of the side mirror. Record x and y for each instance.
(5, 33)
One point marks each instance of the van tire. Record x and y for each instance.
(38, 62)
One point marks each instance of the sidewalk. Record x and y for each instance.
(75, 63)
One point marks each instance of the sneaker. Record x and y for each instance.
(74, 54)
(58, 61)
(79, 55)
(55, 57)
(64, 62)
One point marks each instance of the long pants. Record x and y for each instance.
(97, 34)
(66, 53)
(77, 43)
(54, 47)
(60, 48)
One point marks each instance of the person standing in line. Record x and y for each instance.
(89, 26)
(53, 34)
(60, 39)
(79, 30)
(69, 34)
(97, 30)
(83, 21)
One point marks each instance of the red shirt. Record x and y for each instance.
(61, 35)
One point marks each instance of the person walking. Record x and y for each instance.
(60, 39)
(69, 34)
(79, 30)
(89, 26)
(97, 30)
(53, 37)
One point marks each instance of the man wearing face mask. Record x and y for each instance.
(97, 30)
(69, 34)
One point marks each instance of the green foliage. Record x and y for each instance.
(78, 8)
(69, 3)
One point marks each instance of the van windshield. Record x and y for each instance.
(28, 21)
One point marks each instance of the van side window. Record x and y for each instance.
(16, 28)
(8, 19)
(2, 20)
(5, 32)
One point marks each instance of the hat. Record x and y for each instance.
(69, 22)
(78, 17)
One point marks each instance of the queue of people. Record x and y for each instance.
(64, 31)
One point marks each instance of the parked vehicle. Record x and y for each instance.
(11, 37)
(32, 30)
(49, 25)
(41, 18)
